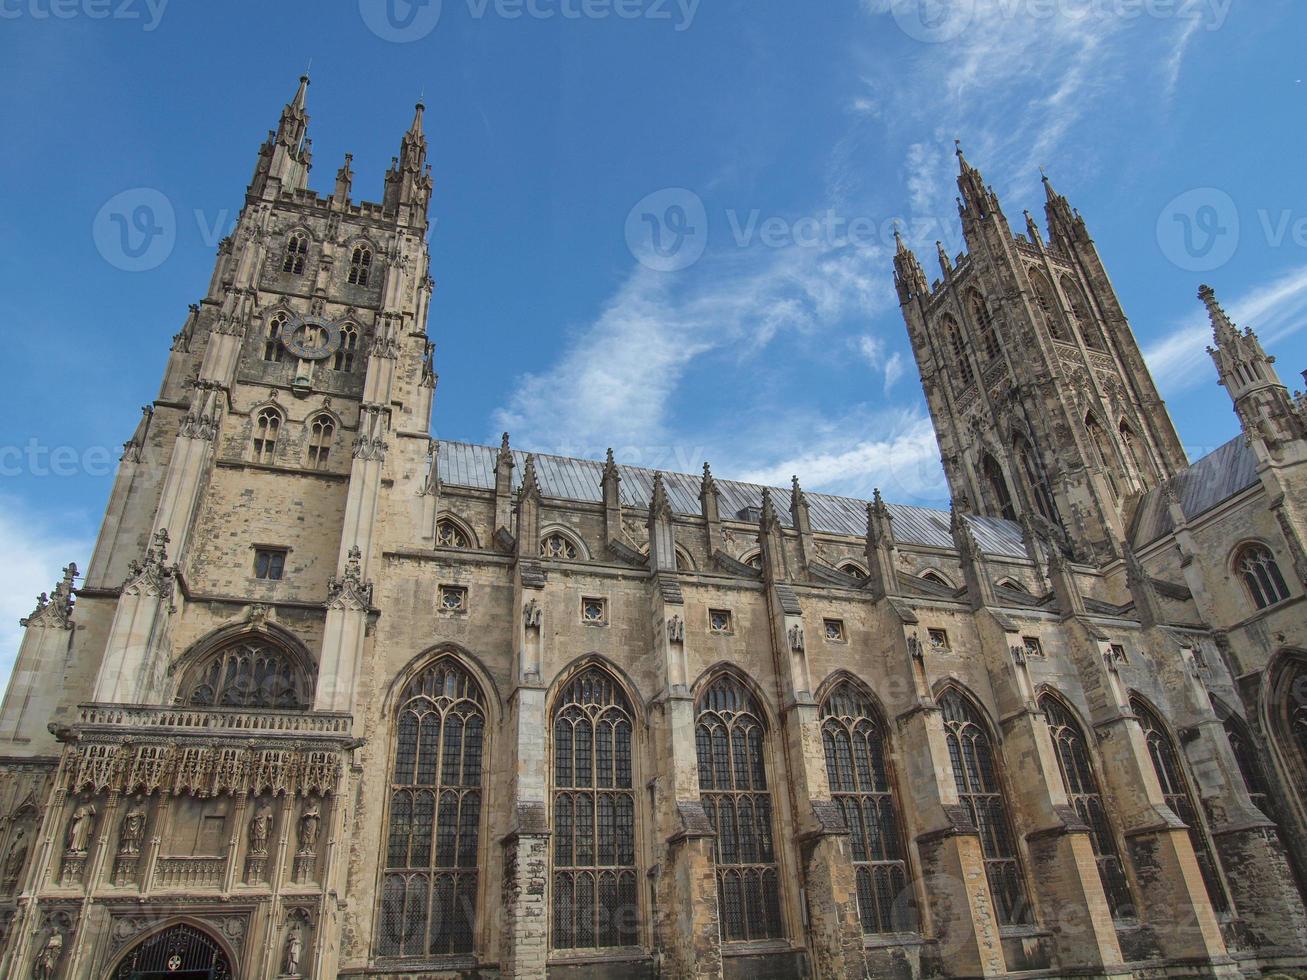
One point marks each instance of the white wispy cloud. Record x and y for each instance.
(35, 552)
(1275, 310)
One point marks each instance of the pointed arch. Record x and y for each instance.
(343, 360)
(984, 323)
(1254, 564)
(856, 569)
(861, 777)
(1284, 715)
(1083, 790)
(1103, 450)
(266, 424)
(1047, 305)
(434, 812)
(243, 667)
(320, 431)
(957, 350)
(295, 252)
(452, 531)
(1134, 452)
(593, 725)
(973, 753)
(935, 576)
(1177, 791)
(1032, 472)
(361, 253)
(559, 542)
(189, 941)
(1090, 332)
(731, 745)
(1246, 755)
(996, 483)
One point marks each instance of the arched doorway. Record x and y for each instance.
(181, 952)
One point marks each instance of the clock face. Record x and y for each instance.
(311, 338)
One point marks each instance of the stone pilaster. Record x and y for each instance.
(35, 686)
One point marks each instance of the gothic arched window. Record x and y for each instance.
(857, 766)
(1047, 307)
(1089, 329)
(360, 265)
(247, 673)
(998, 487)
(272, 349)
(935, 578)
(1245, 754)
(1082, 790)
(979, 790)
(729, 736)
(1293, 718)
(854, 571)
(297, 250)
(267, 425)
(321, 429)
(1036, 485)
(594, 882)
(349, 343)
(1178, 796)
(1261, 575)
(1103, 450)
(450, 535)
(429, 889)
(958, 350)
(984, 325)
(559, 545)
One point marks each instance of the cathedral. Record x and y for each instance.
(334, 698)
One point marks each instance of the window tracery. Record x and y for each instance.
(595, 903)
(297, 250)
(429, 890)
(450, 535)
(321, 430)
(729, 739)
(247, 673)
(360, 266)
(857, 766)
(343, 360)
(1261, 575)
(558, 545)
(267, 426)
(272, 349)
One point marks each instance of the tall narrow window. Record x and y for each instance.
(999, 488)
(1294, 716)
(321, 429)
(979, 790)
(1134, 453)
(1103, 450)
(860, 782)
(1048, 308)
(733, 784)
(1036, 485)
(1245, 754)
(958, 350)
(267, 424)
(297, 250)
(984, 325)
(349, 344)
(1082, 790)
(429, 890)
(1085, 322)
(272, 349)
(1175, 789)
(360, 265)
(595, 899)
(1261, 575)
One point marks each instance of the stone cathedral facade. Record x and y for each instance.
(336, 699)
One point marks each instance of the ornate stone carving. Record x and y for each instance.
(80, 828)
(132, 831)
(55, 610)
(350, 591)
(152, 575)
(533, 615)
(676, 630)
(796, 638)
(47, 960)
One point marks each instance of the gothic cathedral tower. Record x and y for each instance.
(1041, 402)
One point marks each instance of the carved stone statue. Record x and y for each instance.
(79, 829)
(796, 638)
(294, 950)
(48, 959)
(532, 614)
(676, 629)
(260, 829)
(16, 858)
(310, 824)
(132, 832)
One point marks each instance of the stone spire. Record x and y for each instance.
(344, 180)
(709, 506)
(408, 182)
(1065, 224)
(908, 275)
(610, 490)
(881, 547)
(286, 155)
(503, 485)
(978, 200)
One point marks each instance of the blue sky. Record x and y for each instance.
(780, 349)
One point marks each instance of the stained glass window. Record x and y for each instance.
(248, 673)
(595, 904)
(979, 790)
(1083, 793)
(733, 785)
(429, 893)
(450, 535)
(858, 768)
(558, 546)
(1175, 789)
(1261, 575)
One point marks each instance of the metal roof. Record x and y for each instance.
(568, 478)
(1214, 478)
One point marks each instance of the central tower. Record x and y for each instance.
(1039, 395)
